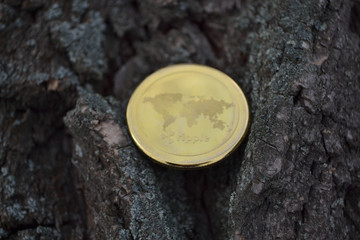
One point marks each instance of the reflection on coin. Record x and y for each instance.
(188, 115)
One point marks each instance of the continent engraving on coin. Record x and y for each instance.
(190, 108)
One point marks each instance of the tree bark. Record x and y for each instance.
(69, 169)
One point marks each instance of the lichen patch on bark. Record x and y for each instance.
(111, 133)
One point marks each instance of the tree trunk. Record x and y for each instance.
(69, 169)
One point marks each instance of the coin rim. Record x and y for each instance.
(154, 155)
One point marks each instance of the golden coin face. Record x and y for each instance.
(188, 115)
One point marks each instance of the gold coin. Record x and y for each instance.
(188, 115)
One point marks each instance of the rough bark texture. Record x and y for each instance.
(69, 169)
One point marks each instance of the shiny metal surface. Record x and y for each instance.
(188, 115)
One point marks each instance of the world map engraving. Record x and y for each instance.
(172, 106)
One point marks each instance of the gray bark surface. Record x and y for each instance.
(69, 169)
